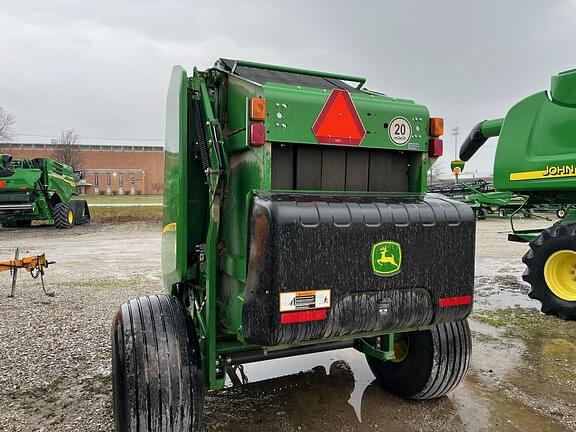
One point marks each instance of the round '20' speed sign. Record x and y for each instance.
(399, 130)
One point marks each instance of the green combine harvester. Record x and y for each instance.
(39, 189)
(296, 221)
(536, 157)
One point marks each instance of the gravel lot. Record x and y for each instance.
(55, 351)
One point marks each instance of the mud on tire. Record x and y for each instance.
(436, 362)
(156, 373)
(556, 238)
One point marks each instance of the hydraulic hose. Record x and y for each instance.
(478, 136)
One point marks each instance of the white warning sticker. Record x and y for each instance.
(399, 130)
(304, 300)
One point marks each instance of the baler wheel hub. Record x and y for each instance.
(401, 348)
(560, 274)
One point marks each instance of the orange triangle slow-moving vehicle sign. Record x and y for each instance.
(338, 121)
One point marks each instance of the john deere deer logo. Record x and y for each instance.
(386, 258)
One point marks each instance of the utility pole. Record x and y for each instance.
(455, 133)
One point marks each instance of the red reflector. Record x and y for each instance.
(2, 184)
(303, 316)
(455, 301)
(338, 121)
(257, 134)
(435, 147)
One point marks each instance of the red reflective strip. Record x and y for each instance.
(456, 301)
(2, 184)
(304, 316)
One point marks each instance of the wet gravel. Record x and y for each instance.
(55, 351)
(55, 356)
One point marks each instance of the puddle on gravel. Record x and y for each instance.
(498, 284)
(507, 389)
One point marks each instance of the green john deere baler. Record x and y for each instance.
(296, 220)
(39, 189)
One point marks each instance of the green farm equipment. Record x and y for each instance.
(39, 189)
(500, 203)
(536, 157)
(296, 221)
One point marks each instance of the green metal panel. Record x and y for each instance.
(491, 128)
(292, 111)
(535, 146)
(563, 88)
(23, 179)
(59, 178)
(176, 172)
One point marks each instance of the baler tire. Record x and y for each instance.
(62, 216)
(436, 362)
(559, 237)
(156, 368)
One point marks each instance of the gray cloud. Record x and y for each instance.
(103, 67)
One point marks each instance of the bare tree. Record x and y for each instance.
(434, 173)
(68, 149)
(6, 123)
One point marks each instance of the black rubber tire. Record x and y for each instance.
(61, 211)
(560, 213)
(437, 361)
(156, 373)
(559, 236)
(481, 213)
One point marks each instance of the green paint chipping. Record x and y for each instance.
(386, 258)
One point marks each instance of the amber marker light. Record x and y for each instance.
(257, 109)
(436, 127)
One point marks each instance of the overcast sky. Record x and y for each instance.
(102, 67)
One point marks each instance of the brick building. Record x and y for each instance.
(107, 169)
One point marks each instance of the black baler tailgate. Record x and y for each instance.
(304, 244)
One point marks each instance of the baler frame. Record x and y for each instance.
(217, 354)
(251, 198)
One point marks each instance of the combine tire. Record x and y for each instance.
(432, 362)
(551, 270)
(63, 216)
(560, 213)
(156, 374)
